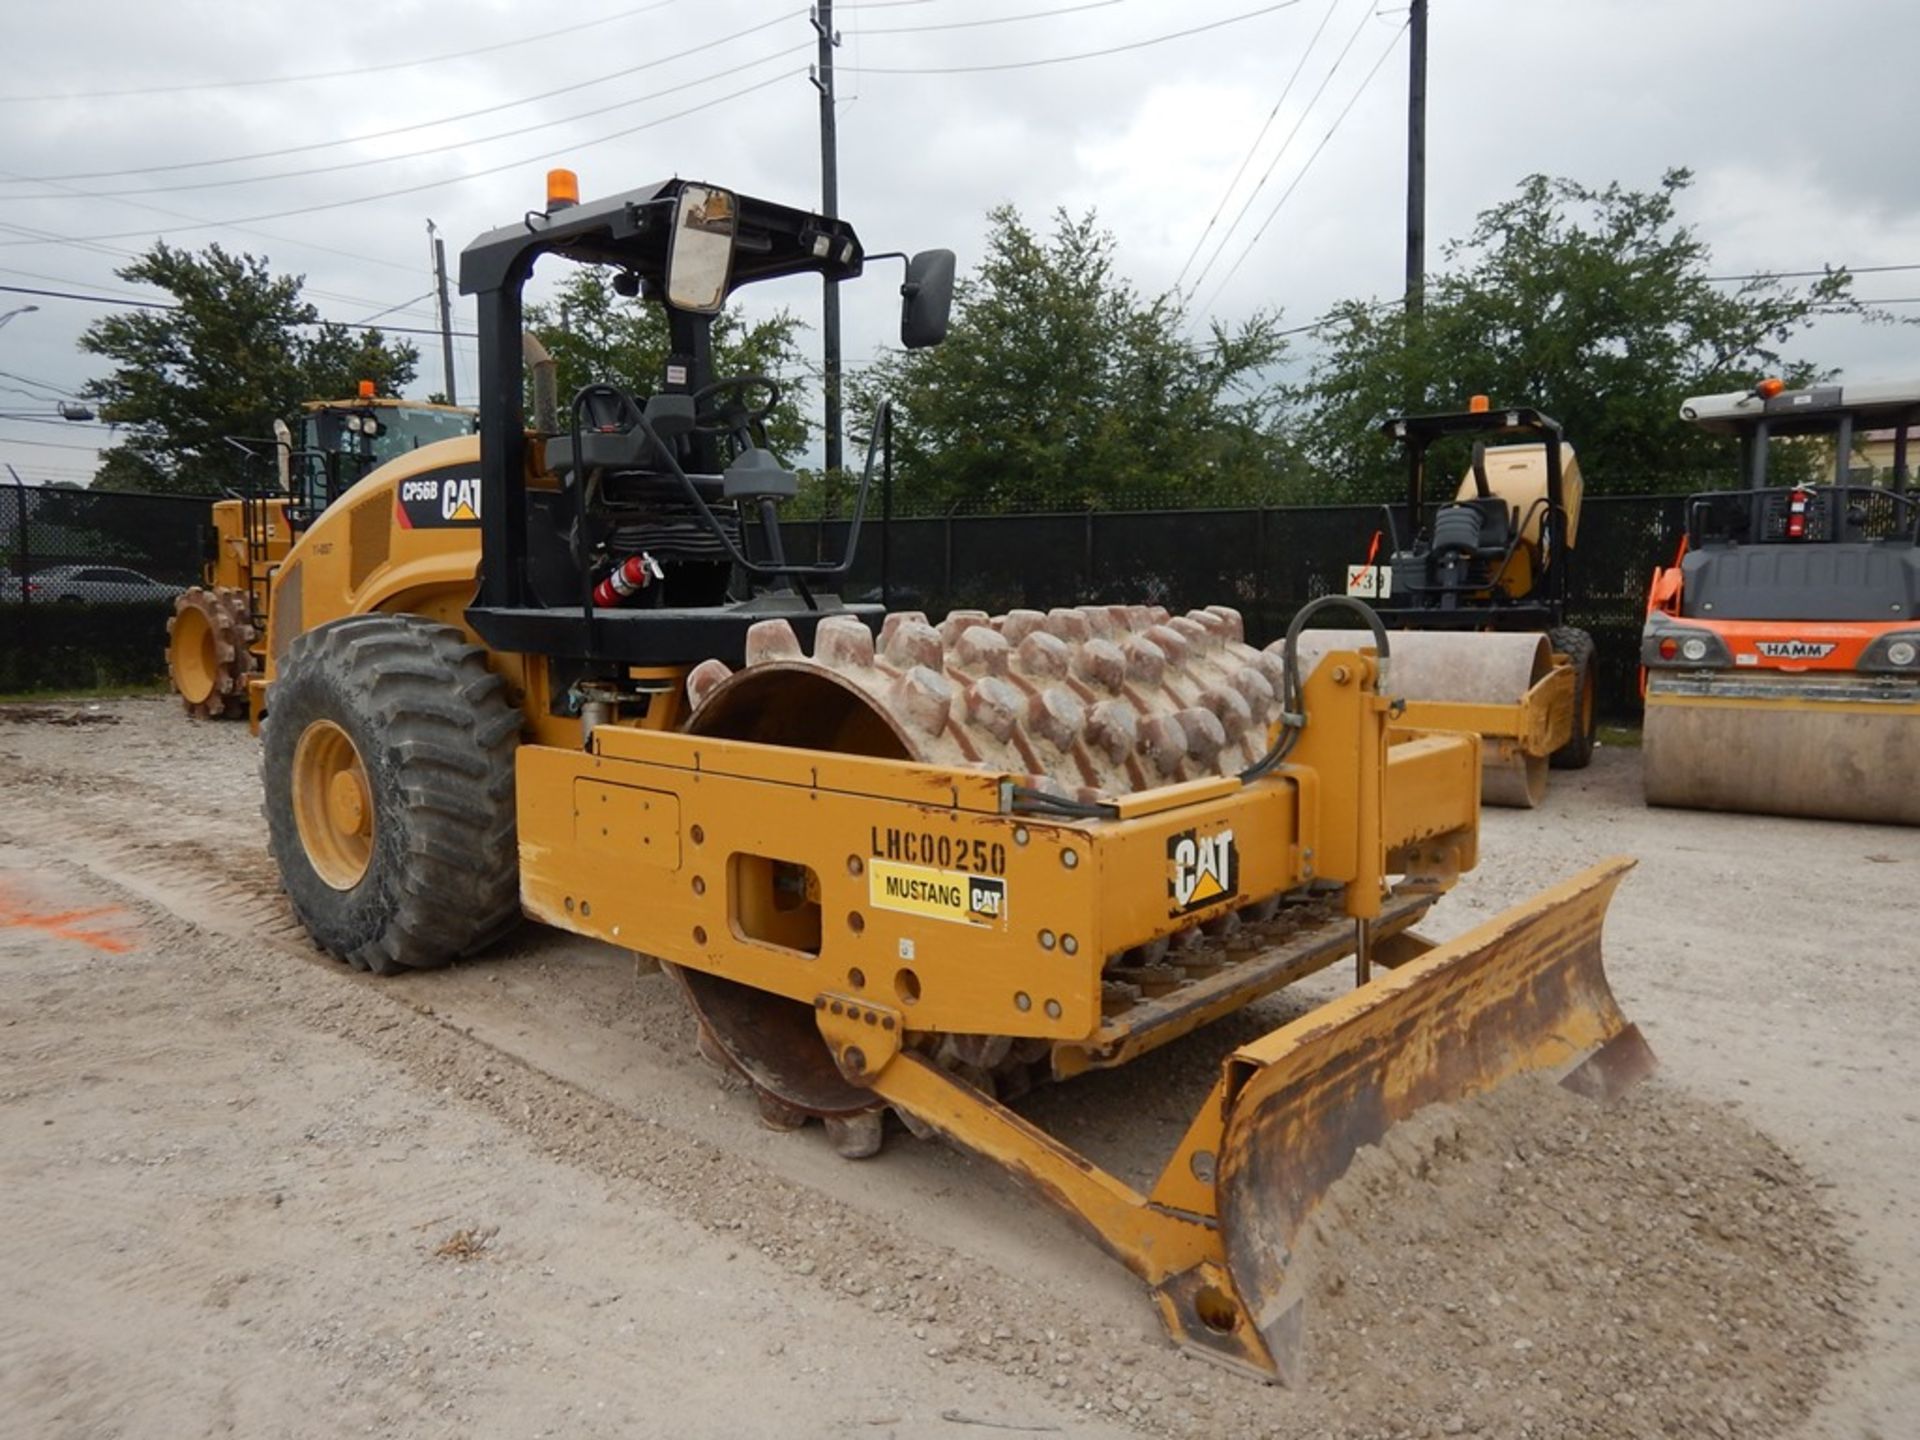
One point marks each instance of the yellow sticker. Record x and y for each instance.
(953, 895)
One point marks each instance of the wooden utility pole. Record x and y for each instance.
(1416, 159)
(829, 207)
(446, 311)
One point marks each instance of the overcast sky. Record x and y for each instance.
(1793, 116)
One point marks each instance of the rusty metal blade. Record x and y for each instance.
(1524, 992)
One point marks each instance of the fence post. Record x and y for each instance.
(1089, 554)
(886, 507)
(26, 552)
(1263, 571)
(946, 558)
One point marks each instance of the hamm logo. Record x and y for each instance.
(1794, 649)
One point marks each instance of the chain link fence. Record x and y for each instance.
(1265, 562)
(87, 578)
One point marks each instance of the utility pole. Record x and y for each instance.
(446, 311)
(829, 207)
(1416, 159)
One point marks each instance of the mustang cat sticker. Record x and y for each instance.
(955, 895)
(1202, 868)
(428, 502)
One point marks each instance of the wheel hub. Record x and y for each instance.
(347, 803)
(332, 805)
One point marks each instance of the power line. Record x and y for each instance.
(1068, 59)
(362, 164)
(85, 244)
(37, 275)
(404, 304)
(438, 184)
(22, 419)
(168, 305)
(424, 124)
(46, 444)
(1295, 184)
(306, 289)
(1810, 274)
(995, 20)
(56, 392)
(1226, 236)
(1254, 148)
(79, 243)
(42, 467)
(338, 74)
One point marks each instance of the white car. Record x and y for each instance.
(94, 584)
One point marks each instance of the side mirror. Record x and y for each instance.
(926, 299)
(283, 455)
(700, 254)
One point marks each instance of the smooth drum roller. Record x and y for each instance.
(1476, 667)
(1832, 747)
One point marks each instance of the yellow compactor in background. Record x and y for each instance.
(894, 867)
(1477, 598)
(215, 639)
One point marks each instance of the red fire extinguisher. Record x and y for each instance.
(629, 577)
(1797, 514)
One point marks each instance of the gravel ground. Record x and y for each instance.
(507, 1199)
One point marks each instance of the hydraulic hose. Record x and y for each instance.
(1293, 718)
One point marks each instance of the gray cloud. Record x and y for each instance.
(1789, 117)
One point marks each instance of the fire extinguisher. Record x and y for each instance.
(629, 577)
(1797, 514)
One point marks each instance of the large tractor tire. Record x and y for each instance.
(388, 754)
(210, 651)
(1577, 646)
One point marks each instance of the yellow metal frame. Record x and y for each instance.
(1538, 723)
(707, 853)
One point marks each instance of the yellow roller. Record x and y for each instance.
(1836, 747)
(209, 649)
(1502, 686)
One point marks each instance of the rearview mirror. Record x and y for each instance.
(700, 255)
(926, 298)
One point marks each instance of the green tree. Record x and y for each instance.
(1593, 305)
(1060, 386)
(238, 350)
(597, 335)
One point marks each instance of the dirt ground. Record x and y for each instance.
(244, 1192)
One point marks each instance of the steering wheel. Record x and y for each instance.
(716, 419)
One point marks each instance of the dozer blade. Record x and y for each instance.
(1217, 1236)
(1524, 992)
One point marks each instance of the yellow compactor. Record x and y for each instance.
(1477, 597)
(216, 636)
(896, 868)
